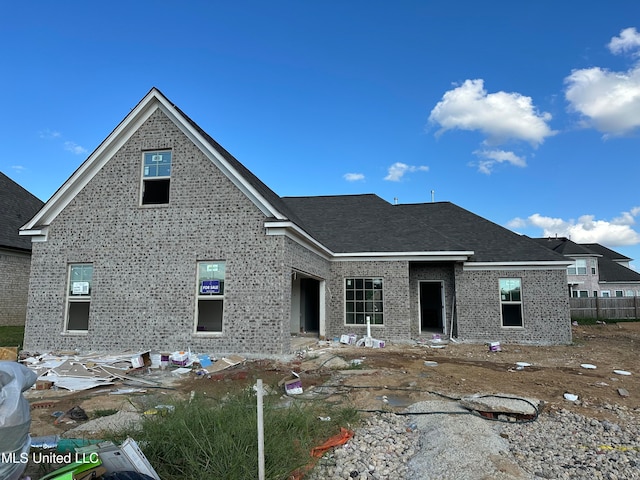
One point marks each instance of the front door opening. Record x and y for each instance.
(306, 305)
(431, 307)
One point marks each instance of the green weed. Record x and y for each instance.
(214, 438)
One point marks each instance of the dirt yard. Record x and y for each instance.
(396, 376)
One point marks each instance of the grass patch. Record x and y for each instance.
(216, 438)
(11, 336)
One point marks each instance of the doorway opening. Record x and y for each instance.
(307, 305)
(432, 315)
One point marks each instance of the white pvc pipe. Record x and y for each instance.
(260, 432)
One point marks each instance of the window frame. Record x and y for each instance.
(577, 265)
(146, 179)
(510, 302)
(75, 299)
(370, 304)
(215, 295)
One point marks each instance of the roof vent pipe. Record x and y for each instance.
(433, 196)
(395, 200)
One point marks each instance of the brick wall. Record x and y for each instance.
(545, 305)
(395, 274)
(14, 285)
(144, 258)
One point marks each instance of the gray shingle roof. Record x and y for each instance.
(17, 206)
(606, 252)
(490, 241)
(608, 269)
(367, 223)
(563, 246)
(612, 272)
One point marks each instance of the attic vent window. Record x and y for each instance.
(156, 178)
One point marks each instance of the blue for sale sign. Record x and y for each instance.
(209, 287)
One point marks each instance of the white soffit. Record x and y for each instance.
(541, 265)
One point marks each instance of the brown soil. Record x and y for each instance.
(398, 374)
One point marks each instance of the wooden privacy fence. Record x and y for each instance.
(605, 308)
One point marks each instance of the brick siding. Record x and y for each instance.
(14, 286)
(144, 258)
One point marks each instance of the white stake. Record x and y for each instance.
(260, 432)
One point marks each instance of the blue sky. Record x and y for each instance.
(527, 113)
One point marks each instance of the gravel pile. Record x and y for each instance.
(558, 445)
(380, 449)
(563, 445)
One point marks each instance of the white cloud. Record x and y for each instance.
(74, 148)
(49, 134)
(69, 146)
(398, 170)
(628, 41)
(500, 116)
(489, 159)
(353, 177)
(608, 101)
(586, 229)
(517, 223)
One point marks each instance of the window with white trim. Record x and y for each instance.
(605, 293)
(628, 293)
(210, 296)
(156, 178)
(581, 294)
(364, 298)
(511, 302)
(578, 267)
(79, 296)
(619, 293)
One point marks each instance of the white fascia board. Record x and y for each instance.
(36, 234)
(295, 233)
(403, 256)
(541, 265)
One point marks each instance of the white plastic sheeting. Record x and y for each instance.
(15, 418)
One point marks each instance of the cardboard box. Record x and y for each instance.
(126, 457)
(292, 384)
(348, 339)
(43, 384)
(9, 353)
(179, 359)
(141, 360)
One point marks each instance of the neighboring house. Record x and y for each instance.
(595, 271)
(163, 240)
(16, 207)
